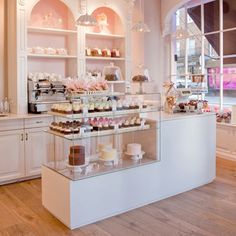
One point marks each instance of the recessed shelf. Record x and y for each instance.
(104, 36)
(40, 30)
(52, 56)
(106, 58)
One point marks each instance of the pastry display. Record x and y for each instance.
(95, 125)
(77, 155)
(112, 73)
(83, 86)
(134, 149)
(224, 117)
(48, 51)
(104, 146)
(95, 106)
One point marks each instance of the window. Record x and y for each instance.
(208, 48)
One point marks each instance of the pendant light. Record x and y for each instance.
(140, 26)
(86, 19)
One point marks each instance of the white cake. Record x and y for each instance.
(134, 149)
(104, 146)
(109, 154)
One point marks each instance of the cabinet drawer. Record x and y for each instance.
(38, 122)
(7, 125)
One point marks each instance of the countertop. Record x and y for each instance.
(26, 116)
(164, 116)
(178, 116)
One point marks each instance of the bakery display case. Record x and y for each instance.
(95, 134)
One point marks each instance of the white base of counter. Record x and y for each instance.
(188, 161)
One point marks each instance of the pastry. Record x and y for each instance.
(106, 52)
(134, 149)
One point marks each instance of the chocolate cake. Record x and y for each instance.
(77, 155)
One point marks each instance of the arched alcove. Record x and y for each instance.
(115, 24)
(52, 14)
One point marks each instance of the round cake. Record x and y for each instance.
(109, 154)
(77, 155)
(104, 146)
(134, 149)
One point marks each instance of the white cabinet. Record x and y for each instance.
(12, 155)
(38, 148)
(225, 141)
(24, 147)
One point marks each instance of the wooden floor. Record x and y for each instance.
(209, 210)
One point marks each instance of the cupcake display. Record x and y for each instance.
(95, 125)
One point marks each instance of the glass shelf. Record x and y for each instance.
(74, 137)
(99, 168)
(106, 113)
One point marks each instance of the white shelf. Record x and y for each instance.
(40, 30)
(99, 133)
(104, 36)
(105, 58)
(52, 56)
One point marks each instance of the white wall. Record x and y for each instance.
(147, 48)
(2, 51)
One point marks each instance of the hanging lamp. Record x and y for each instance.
(140, 26)
(86, 19)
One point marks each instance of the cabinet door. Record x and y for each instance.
(39, 148)
(11, 155)
(224, 138)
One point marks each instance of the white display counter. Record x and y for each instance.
(187, 161)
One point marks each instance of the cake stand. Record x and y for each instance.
(109, 162)
(77, 169)
(136, 157)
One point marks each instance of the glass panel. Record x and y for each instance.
(230, 44)
(194, 55)
(194, 20)
(180, 56)
(229, 15)
(211, 16)
(229, 81)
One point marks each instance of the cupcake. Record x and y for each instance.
(76, 108)
(91, 108)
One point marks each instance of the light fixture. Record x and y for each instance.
(140, 26)
(180, 34)
(86, 19)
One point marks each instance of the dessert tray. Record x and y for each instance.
(136, 157)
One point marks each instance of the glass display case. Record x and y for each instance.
(97, 134)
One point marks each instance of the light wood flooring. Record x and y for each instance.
(209, 210)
